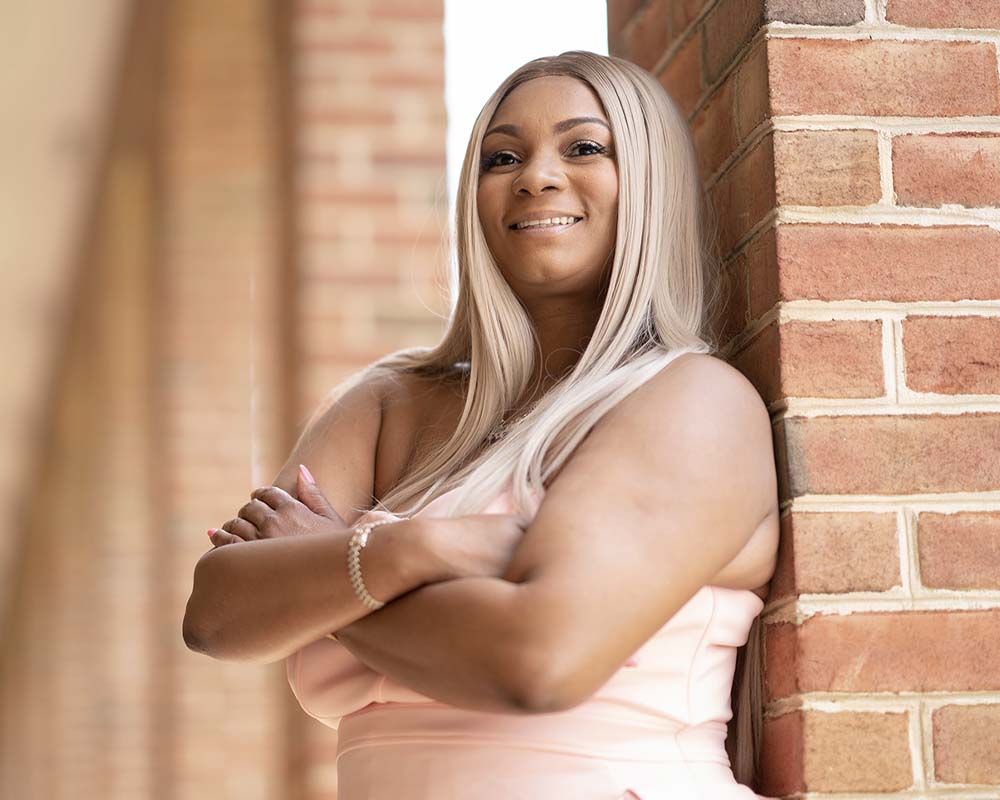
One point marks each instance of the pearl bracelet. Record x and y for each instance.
(354, 547)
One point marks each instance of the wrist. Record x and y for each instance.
(406, 557)
(422, 549)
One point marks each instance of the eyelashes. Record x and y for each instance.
(492, 160)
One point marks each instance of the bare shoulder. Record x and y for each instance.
(704, 412)
(704, 377)
(699, 390)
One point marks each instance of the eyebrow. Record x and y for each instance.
(559, 127)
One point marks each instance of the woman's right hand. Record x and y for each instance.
(473, 546)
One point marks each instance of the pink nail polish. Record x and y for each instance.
(211, 531)
(306, 473)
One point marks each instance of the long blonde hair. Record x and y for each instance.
(659, 296)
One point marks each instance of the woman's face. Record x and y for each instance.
(548, 154)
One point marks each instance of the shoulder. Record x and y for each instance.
(359, 396)
(698, 392)
(704, 413)
(706, 377)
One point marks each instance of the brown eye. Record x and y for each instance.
(496, 160)
(590, 148)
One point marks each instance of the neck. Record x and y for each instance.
(563, 327)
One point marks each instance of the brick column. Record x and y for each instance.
(370, 200)
(370, 191)
(852, 152)
(222, 364)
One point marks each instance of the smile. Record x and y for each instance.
(550, 224)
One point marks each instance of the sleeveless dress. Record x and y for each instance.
(655, 730)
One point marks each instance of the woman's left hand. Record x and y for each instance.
(272, 513)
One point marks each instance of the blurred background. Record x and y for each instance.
(211, 214)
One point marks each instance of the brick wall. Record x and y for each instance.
(851, 151)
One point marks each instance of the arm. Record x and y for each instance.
(610, 557)
(262, 600)
(458, 641)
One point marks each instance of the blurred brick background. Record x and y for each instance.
(239, 204)
(261, 212)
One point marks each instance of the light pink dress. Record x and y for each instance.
(655, 730)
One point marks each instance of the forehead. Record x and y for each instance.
(547, 99)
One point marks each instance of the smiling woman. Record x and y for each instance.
(598, 662)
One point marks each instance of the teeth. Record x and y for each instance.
(541, 223)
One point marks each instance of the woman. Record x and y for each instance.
(575, 534)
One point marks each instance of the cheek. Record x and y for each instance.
(486, 205)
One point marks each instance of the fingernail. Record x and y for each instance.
(306, 473)
(211, 531)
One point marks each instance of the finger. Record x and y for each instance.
(244, 530)
(274, 496)
(220, 538)
(314, 499)
(256, 512)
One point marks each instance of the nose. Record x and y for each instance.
(541, 172)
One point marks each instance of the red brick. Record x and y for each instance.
(334, 40)
(856, 752)
(429, 10)
(646, 40)
(887, 262)
(753, 92)
(762, 273)
(891, 454)
(429, 78)
(620, 12)
(815, 12)
(681, 76)
(803, 358)
(733, 315)
(833, 552)
(340, 118)
(337, 196)
(814, 751)
(959, 551)
(714, 129)
(883, 78)
(782, 757)
(943, 13)
(831, 359)
(934, 169)
(827, 168)
(905, 651)
(952, 355)
(965, 743)
(744, 194)
(758, 360)
(682, 13)
(728, 27)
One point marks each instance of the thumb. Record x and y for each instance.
(313, 499)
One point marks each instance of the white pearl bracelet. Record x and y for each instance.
(355, 545)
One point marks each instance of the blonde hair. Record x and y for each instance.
(658, 299)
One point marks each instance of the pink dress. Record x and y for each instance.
(655, 730)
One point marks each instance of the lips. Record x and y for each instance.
(549, 223)
(541, 216)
